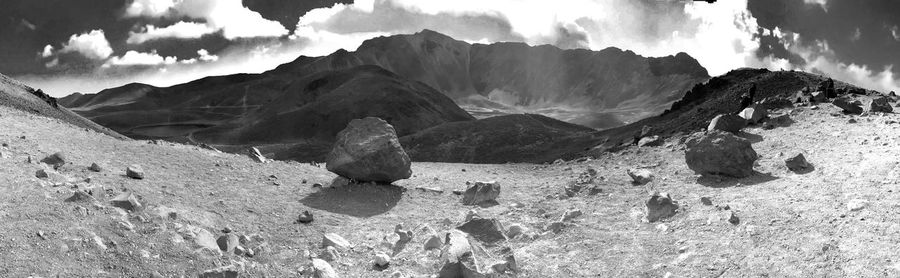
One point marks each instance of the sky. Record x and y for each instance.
(66, 46)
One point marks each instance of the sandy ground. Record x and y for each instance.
(791, 225)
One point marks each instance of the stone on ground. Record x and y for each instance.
(322, 269)
(220, 272)
(719, 153)
(797, 163)
(571, 214)
(660, 206)
(135, 172)
(127, 201)
(382, 259)
(368, 150)
(754, 114)
(640, 176)
(848, 106)
(228, 242)
(481, 192)
(55, 160)
(330, 254)
(819, 97)
(485, 230)
(95, 167)
(651, 141)
(881, 104)
(80, 196)
(464, 256)
(515, 230)
(305, 217)
(256, 155)
(857, 204)
(202, 239)
(332, 239)
(728, 123)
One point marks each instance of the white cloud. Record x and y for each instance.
(204, 55)
(180, 30)
(92, 45)
(230, 16)
(47, 52)
(134, 58)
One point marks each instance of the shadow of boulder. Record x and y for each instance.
(753, 138)
(355, 199)
(723, 182)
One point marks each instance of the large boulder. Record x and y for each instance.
(881, 104)
(719, 153)
(368, 150)
(848, 106)
(754, 114)
(727, 122)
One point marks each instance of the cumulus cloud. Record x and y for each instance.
(180, 30)
(92, 45)
(229, 16)
(135, 58)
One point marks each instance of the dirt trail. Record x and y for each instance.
(791, 225)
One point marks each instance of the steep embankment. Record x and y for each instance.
(19, 96)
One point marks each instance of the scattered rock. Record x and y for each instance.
(570, 214)
(651, 141)
(95, 167)
(368, 150)
(332, 239)
(881, 104)
(433, 241)
(127, 201)
(857, 204)
(481, 193)
(818, 97)
(330, 254)
(640, 176)
(322, 269)
(56, 160)
(382, 260)
(660, 206)
(135, 172)
(220, 272)
(706, 201)
(797, 163)
(463, 256)
(854, 107)
(555, 227)
(727, 123)
(305, 217)
(80, 196)
(485, 230)
(201, 238)
(471, 214)
(256, 155)
(719, 153)
(228, 242)
(405, 237)
(733, 219)
(515, 230)
(754, 114)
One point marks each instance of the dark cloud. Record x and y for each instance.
(857, 32)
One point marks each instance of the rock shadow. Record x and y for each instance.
(754, 138)
(355, 199)
(723, 181)
(806, 170)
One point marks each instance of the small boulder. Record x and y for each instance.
(857, 204)
(127, 201)
(728, 123)
(80, 196)
(228, 242)
(660, 206)
(754, 114)
(819, 97)
(515, 230)
(719, 153)
(485, 230)
(332, 239)
(848, 106)
(135, 172)
(322, 269)
(220, 272)
(368, 150)
(305, 217)
(433, 241)
(382, 260)
(570, 214)
(797, 163)
(881, 104)
(256, 155)
(330, 254)
(55, 160)
(640, 176)
(481, 192)
(95, 167)
(651, 141)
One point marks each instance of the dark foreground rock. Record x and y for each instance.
(368, 150)
(719, 153)
(797, 163)
(848, 106)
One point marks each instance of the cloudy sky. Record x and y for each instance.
(66, 46)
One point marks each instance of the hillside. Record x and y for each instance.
(20, 96)
(838, 221)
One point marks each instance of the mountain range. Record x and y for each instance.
(415, 82)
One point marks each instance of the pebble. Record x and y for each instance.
(305, 217)
(382, 259)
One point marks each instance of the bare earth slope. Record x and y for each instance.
(790, 225)
(17, 95)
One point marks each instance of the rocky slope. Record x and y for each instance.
(839, 220)
(20, 96)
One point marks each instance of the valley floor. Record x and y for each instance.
(791, 225)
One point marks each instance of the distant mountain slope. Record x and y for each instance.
(20, 96)
(266, 109)
(502, 139)
(527, 77)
